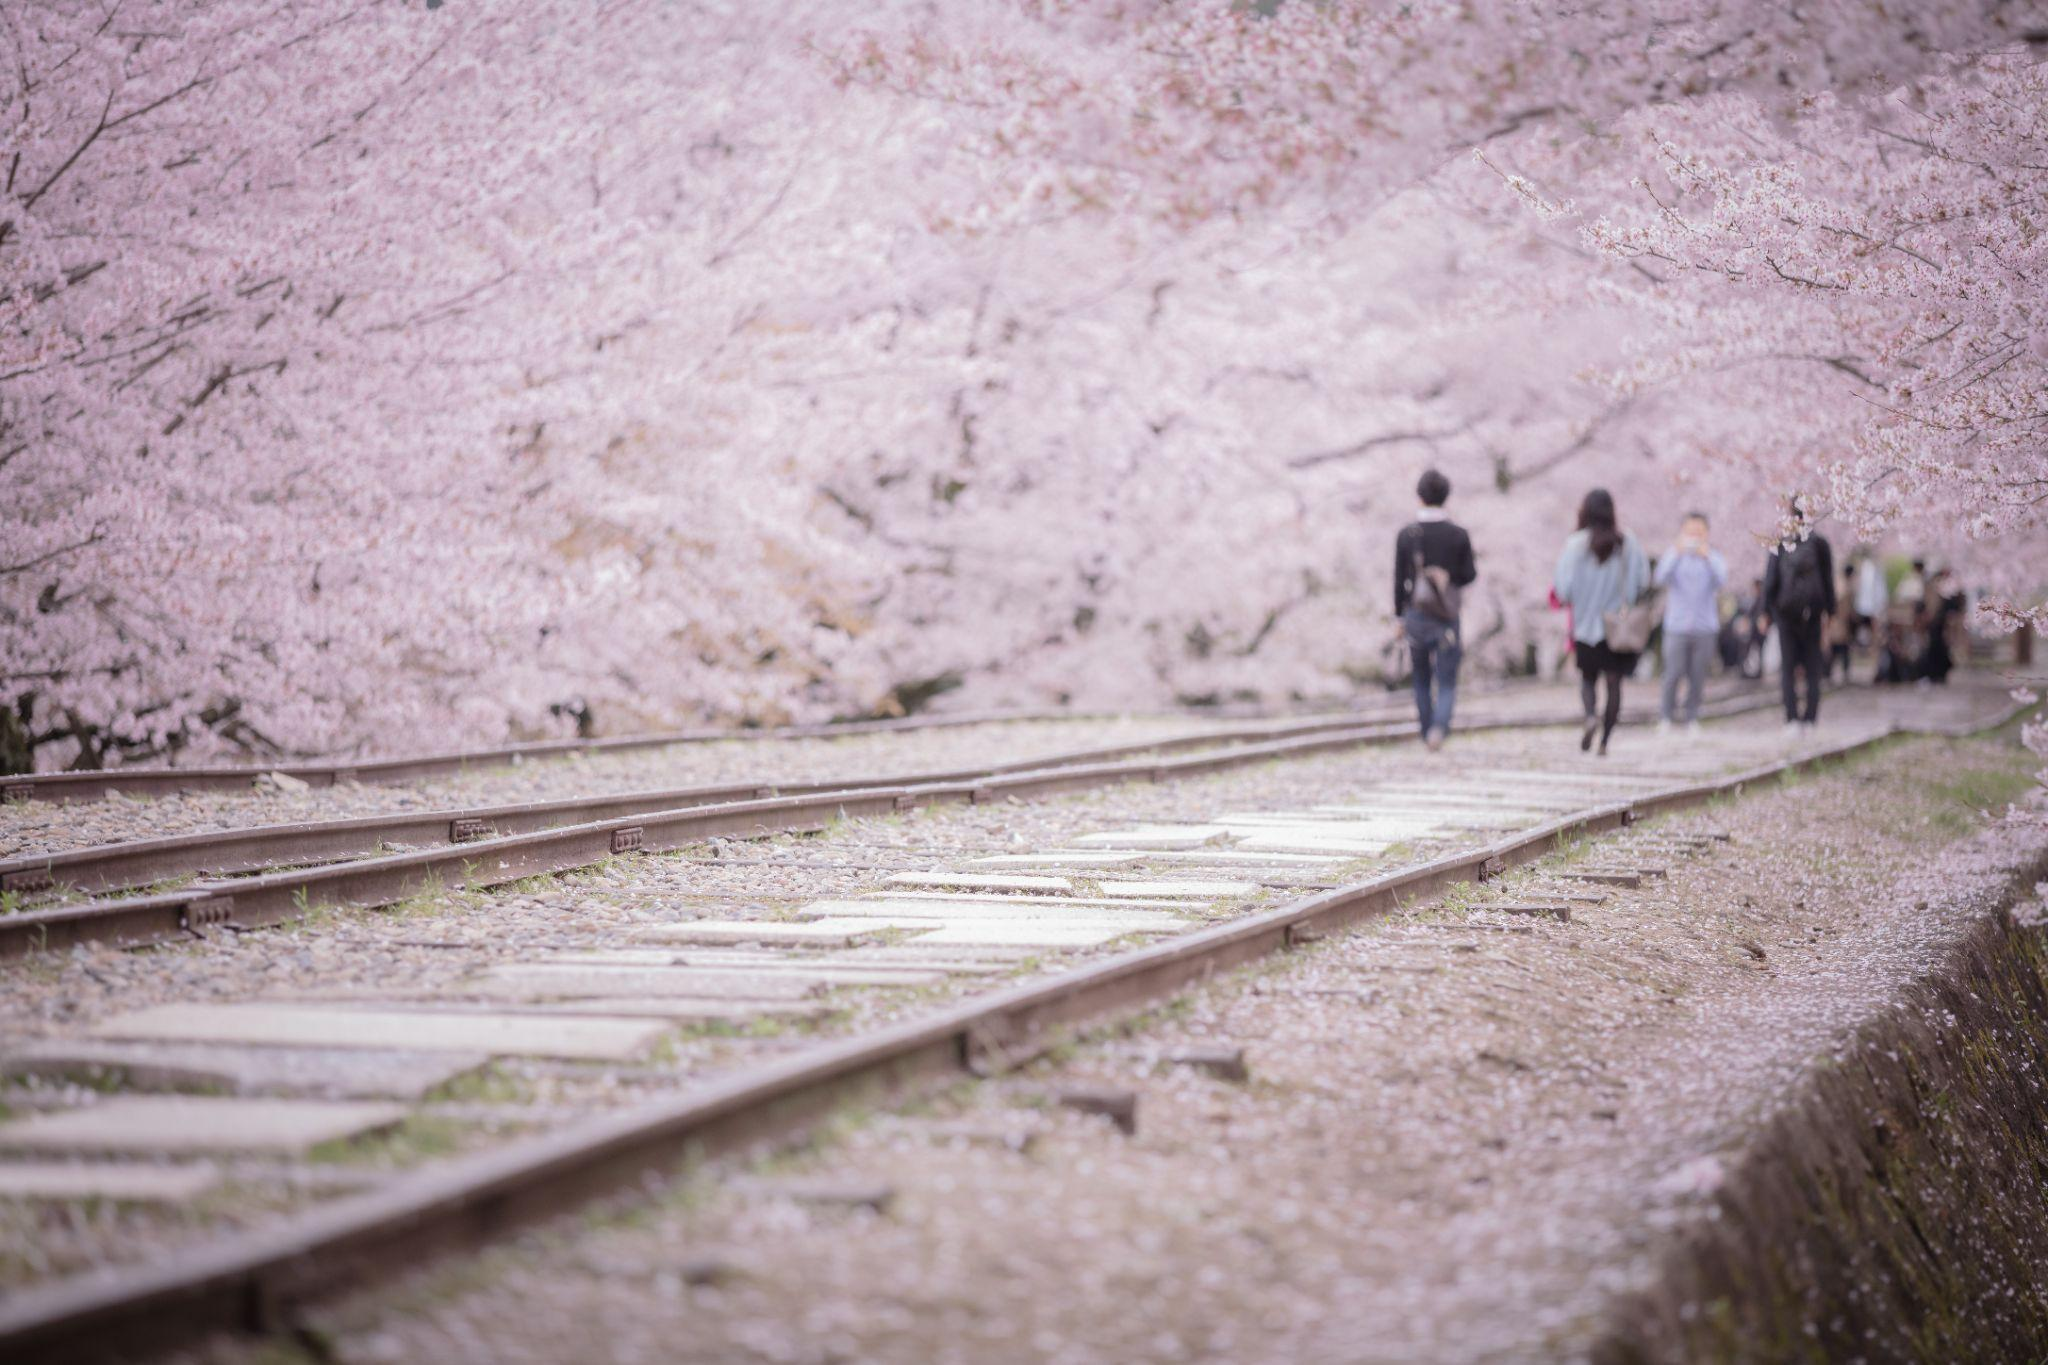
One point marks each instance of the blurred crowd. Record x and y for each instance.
(1896, 622)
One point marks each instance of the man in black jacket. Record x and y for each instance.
(1799, 594)
(1432, 567)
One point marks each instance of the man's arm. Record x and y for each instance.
(1769, 597)
(1403, 584)
(1717, 568)
(1464, 570)
(1827, 572)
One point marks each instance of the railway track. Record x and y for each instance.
(1074, 895)
(122, 866)
(140, 780)
(267, 874)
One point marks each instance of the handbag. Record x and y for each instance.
(1629, 627)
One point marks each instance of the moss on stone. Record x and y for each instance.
(1897, 1210)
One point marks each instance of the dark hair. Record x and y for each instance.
(1700, 517)
(1433, 488)
(1596, 518)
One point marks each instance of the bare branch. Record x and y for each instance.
(95, 538)
(1372, 443)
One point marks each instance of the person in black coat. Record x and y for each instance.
(1799, 596)
(1946, 606)
(1432, 568)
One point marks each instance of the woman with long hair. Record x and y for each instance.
(1601, 569)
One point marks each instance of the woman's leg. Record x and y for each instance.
(1588, 680)
(1612, 716)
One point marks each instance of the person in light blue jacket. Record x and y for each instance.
(1692, 573)
(1601, 569)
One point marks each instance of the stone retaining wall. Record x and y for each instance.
(1897, 1208)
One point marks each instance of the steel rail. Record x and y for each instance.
(141, 862)
(254, 1280)
(370, 882)
(154, 780)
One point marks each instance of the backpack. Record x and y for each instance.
(1435, 594)
(1800, 590)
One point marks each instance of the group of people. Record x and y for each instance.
(1616, 597)
(1909, 630)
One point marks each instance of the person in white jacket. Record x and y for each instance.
(1873, 596)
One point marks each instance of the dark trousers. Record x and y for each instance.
(1800, 651)
(1596, 662)
(1434, 649)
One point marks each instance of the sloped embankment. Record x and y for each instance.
(1897, 1207)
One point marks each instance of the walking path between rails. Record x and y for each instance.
(1288, 824)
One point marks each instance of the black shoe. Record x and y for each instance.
(1586, 738)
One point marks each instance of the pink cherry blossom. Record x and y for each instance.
(378, 376)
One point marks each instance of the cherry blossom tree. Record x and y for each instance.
(384, 374)
(1892, 291)
(1829, 212)
(333, 333)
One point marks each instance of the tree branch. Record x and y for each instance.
(95, 538)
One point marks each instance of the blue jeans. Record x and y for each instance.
(1434, 647)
